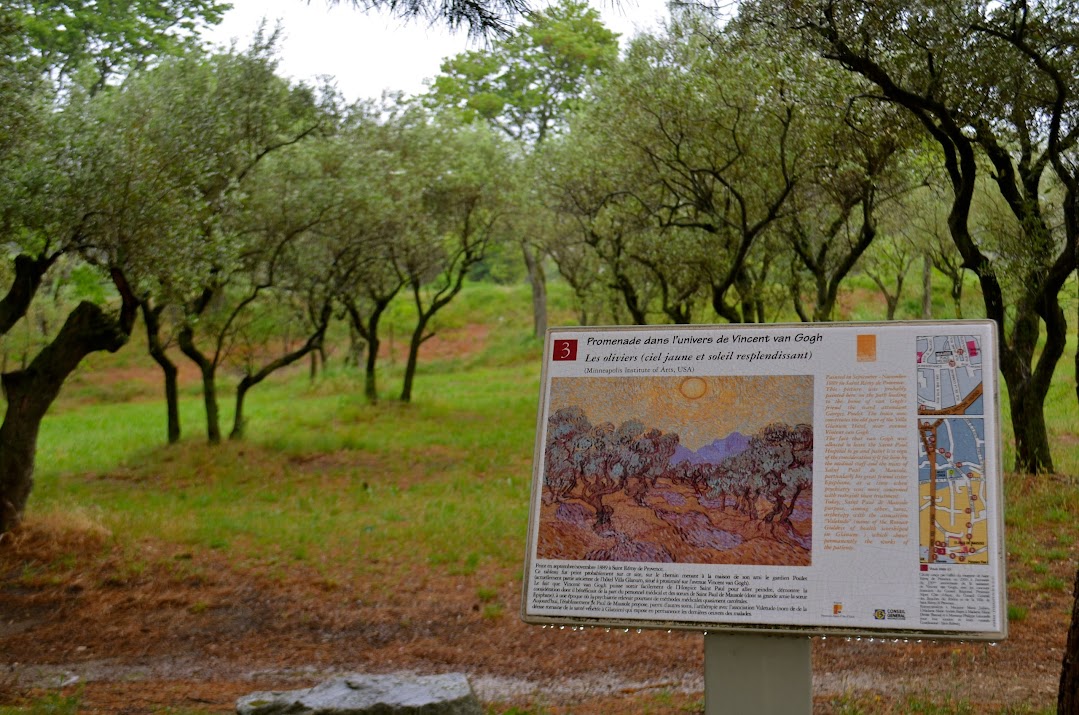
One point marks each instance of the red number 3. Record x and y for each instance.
(565, 350)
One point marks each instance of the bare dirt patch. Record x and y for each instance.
(446, 344)
(168, 627)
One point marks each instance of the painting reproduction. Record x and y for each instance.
(702, 470)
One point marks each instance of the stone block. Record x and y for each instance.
(448, 694)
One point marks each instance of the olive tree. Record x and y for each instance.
(77, 183)
(379, 215)
(993, 85)
(460, 176)
(688, 156)
(82, 189)
(527, 86)
(286, 273)
(227, 112)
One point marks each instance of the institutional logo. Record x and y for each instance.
(890, 614)
(867, 348)
(837, 609)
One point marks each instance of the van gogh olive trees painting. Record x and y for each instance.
(679, 470)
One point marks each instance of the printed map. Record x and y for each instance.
(951, 455)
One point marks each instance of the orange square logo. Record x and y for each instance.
(867, 348)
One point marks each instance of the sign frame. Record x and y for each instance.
(631, 358)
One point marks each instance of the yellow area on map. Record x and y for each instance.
(960, 535)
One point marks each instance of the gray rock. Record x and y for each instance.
(448, 694)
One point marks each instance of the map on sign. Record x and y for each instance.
(951, 455)
(949, 375)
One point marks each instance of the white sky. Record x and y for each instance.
(369, 52)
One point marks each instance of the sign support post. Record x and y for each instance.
(764, 675)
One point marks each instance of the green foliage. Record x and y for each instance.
(98, 41)
(21, 89)
(675, 173)
(192, 130)
(87, 283)
(527, 84)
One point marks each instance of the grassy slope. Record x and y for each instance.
(321, 470)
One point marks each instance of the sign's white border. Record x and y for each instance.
(831, 353)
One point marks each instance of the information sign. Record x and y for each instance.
(825, 478)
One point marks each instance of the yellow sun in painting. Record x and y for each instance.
(693, 388)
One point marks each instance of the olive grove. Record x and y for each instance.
(740, 171)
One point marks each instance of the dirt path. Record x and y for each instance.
(190, 631)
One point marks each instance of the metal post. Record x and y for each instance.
(763, 675)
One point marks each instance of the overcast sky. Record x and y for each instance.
(369, 52)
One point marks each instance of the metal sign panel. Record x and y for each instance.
(824, 478)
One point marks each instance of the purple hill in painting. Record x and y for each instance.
(713, 453)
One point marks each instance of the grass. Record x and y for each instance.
(318, 474)
(923, 705)
(1017, 613)
(50, 704)
(57, 704)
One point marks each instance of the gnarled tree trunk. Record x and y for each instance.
(31, 391)
(29, 272)
(312, 345)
